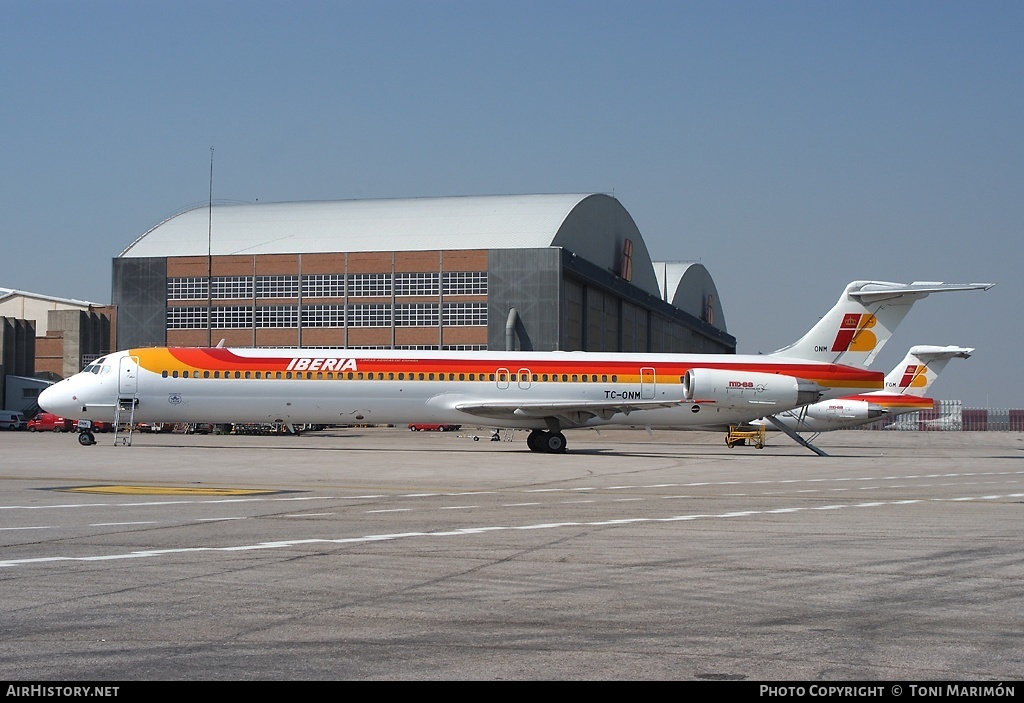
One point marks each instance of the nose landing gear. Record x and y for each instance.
(85, 435)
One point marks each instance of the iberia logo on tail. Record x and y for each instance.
(855, 334)
(915, 376)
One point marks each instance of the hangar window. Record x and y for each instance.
(465, 283)
(329, 285)
(323, 316)
(277, 316)
(369, 315)
(277, 286)
(369, 285)
(417, 284)
(416, 315)
(186, 318)
(465, 314)
(232, 317)
(187, 289)
(232, 287)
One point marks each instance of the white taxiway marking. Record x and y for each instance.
(152, 553)
(119, 524)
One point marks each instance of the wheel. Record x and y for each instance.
(476, 439)
(442, 428)
(536, 441)
(729, 444)
(86, 439)
(555, 443)
(32, 428)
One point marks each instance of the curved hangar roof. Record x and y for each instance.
(689, 286)
(593, 226)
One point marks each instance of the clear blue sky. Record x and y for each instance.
(791, 147)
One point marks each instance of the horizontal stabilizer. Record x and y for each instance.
(874, 291)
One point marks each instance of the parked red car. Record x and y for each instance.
(48, 422)
(419, 427)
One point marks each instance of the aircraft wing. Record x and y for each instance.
(568, 413)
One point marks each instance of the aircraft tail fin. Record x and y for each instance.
(863, 320)
(920, 367)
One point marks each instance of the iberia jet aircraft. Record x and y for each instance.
(545, 392)
(905, 389)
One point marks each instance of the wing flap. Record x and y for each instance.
(569, 413)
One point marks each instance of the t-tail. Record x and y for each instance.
(919, 369)
(858, 326)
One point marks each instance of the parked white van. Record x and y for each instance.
(10, 420)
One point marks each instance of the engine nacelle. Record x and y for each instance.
(844, 410)
(747, 388)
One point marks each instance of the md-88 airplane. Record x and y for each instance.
(544, 392)
(905, 389)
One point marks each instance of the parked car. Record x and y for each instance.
(420, 427)
(10, 420)
(48, 422)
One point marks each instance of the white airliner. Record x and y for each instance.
(546, 392)
(905, 389)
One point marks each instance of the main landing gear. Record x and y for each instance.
(549, 442)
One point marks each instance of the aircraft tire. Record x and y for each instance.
(554, 443)
(86, 439)
(537, 441)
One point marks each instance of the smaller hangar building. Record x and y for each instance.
(531, 272)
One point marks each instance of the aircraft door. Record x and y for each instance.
(647, 386)
(502, 376)
(128, 375)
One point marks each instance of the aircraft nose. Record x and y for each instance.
(53, 399)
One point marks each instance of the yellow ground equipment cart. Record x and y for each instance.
(741, 434)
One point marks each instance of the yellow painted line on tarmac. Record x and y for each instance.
(169, 491)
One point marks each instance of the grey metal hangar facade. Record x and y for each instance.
(532, 272)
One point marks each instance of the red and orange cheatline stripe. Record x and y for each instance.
(193, 359)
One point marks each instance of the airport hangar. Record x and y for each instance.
(531, 272)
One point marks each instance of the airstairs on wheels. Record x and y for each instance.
(123, 427)
(127, 400)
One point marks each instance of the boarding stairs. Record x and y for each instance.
(124, 419)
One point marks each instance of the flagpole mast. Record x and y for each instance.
(209, 262)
